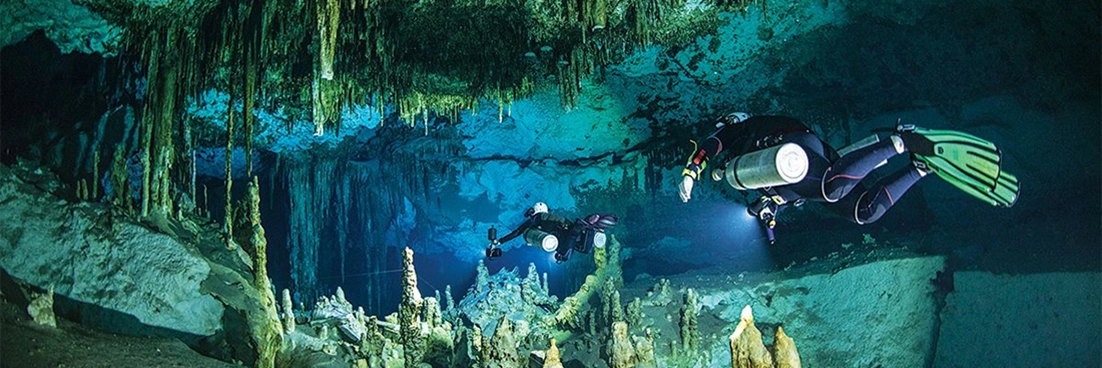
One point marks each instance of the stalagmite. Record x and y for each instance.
(611, 309)
(373, 342)
(551, 358)
(478, 341)
(747, 349)
(784, 350)
(432, 316)
(339, 296)
(530, 285)
(621, 354)
(409, 313)
(266, 332)
(481, 275)
(690, 335)
(634, 314)
(568, 316)
(288, 312)
(502, 352)
(644, 351)
(449, 302)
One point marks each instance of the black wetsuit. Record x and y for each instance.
(829, 179)
(566, 231)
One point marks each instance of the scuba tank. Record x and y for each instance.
(774, 166)
(594, 234)
(536, 237)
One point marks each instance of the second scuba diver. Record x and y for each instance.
(554, 233)
(784, 160)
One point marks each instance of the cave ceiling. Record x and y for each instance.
(313, 59)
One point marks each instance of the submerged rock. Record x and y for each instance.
(505, 294)
(120, 274)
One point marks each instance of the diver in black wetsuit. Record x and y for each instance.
(784, 160)
(554, 233)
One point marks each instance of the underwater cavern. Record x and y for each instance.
(550, 183)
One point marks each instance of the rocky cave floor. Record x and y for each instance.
(840, 282)
(24, 343)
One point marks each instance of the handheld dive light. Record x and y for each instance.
(492, 251)
(768, 222)
(765, 215)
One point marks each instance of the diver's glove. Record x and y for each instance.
(685, 188)
(688, 176)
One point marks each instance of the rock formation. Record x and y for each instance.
(551, 358)
(747, 349)
(409, 313)
(41, 307)
(690, 334)
(288, 313)
(501, 351)
(620, 351)
(784, 350)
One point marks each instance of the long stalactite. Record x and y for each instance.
(424, 58)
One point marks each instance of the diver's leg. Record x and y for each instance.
(875, 202)
(841, 177)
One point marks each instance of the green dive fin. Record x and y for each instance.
(970, 163)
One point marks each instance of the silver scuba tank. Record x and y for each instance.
(774, 166)
(538, 238)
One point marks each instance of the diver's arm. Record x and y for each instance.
(519, 230)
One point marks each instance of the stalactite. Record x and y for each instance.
(163, 146)
(151, 60)
(250, 98)
(318, 108)
(95, 174)
(192, 167)
(82, 190)
(120, 178)
(228, 221)
(344, 209)
(328, 23)
(310, 185)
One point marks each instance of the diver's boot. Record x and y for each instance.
(905, 139)
(912, 142)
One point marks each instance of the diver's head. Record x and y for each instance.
(539, 207)
(731, 119)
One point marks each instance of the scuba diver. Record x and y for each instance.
(554, 233)
(784, 160)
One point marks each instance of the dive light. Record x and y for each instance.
(492, 251)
